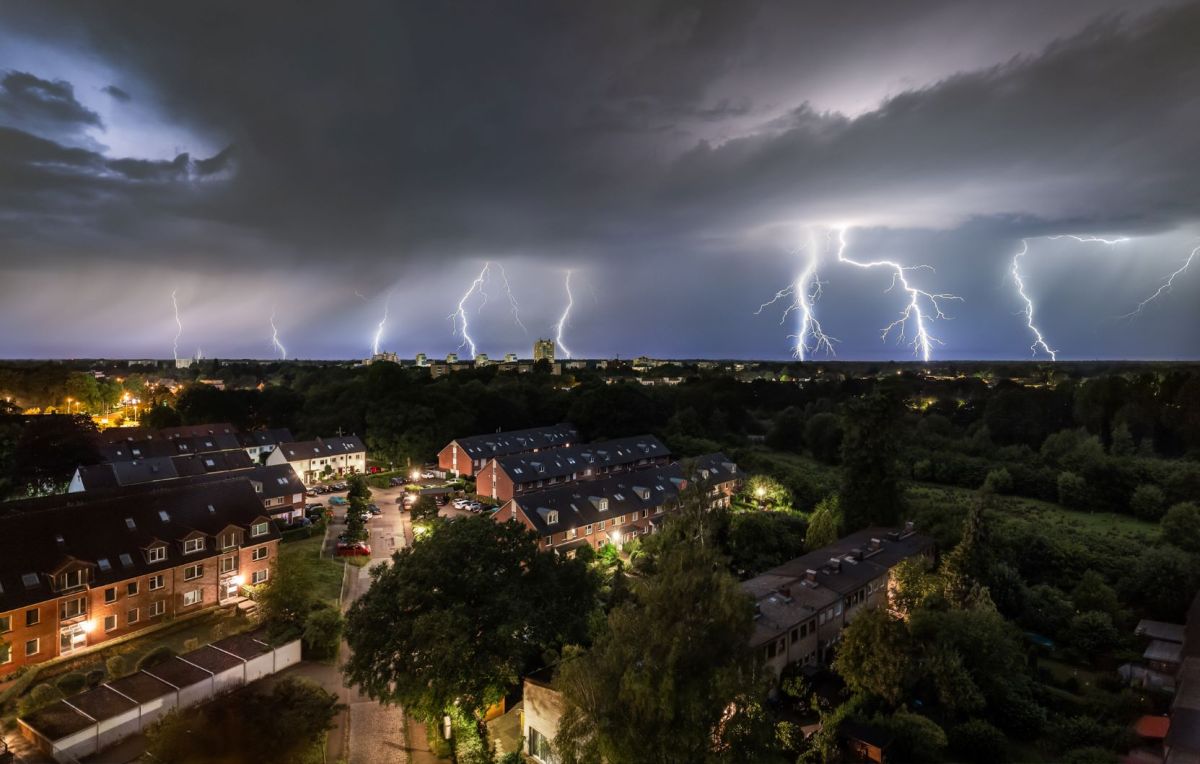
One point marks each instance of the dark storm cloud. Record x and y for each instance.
(117, 93)
(43, 106)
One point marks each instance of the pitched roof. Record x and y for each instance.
(272, 437)
(553, 510)
(122, 444)
(567, 460)
(714, 468)
(493, 444)
(110, 531)
(312, 449)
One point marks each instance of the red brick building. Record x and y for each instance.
(503, 477)
(719, 475)
(79, 569)
(466, 456)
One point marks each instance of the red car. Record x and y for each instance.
(353, 549)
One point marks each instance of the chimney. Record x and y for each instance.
(786, 591)
(810, 576)
(893, 536)
(835, 563)
(856, 553)
(875, 544)
(908, 528)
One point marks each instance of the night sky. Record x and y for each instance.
(684, 160)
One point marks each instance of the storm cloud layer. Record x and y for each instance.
(258, 158)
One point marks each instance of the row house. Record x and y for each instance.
(124, 444)
(316, 459)
(802, 606)
(260, 443)
(607, 510)
(77, 570)
(503, 477)
(130, 472)
(466, 456)
(720, 477)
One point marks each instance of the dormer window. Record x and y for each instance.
(71, 579)
(229, 539)
(552, 517)
(602, 505)
(259, 529)
(191, 546)
(156, 554)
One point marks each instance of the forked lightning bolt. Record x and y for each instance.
(275, 337)
(922, 341)
(804, 291)
(1039, 340)
(458, 319)
(387, 301)
(1163, 288)
(178, 326)
(562, 321)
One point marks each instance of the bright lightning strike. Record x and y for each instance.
(1163, 288)
(458, 319)
(562, 321)
(512, 300)
(804, 293)
(382, 323)
(178, 325)
(1090, 239)
(922, 341)
(1039, 340)
(275, 337)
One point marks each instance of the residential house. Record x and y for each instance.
(79, 569)
(260, 443)
(543, 709)
(802, 606)
(152, 469)
(315, 459)
(719, 476)
(502, 477)
(612, 509)
(466, 456)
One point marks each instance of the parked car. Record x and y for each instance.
(353, 549)
(339, 501)
(374, 509)
(340, 487)
(396, 482)
(428, 475)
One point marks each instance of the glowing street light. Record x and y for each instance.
(88, 627)
(238, 580)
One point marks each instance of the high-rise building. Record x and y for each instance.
(422, 359)
(543, 349)
(481, 359)
(452, 358)
(510, 357)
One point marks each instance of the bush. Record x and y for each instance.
(69, 684)
(1181, 527)
(998, 481)
(118, 666)
(190, 644)
(41, 695)
(95, 677)
(158, 655)
(323, 632)
(1090, 755)
(1072, 490)
(979, 742)
(1148, 503)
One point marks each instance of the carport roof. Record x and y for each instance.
(212, 659)
(141, 687)
(179, 673)
(102, 703)
(244, 646)
(57, 720)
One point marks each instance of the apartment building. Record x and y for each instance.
(612, 509)
(77, 570)
(466, 456)
(503, 477)
(315, 459)
(802, 606)
(719, 476)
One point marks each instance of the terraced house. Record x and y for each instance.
(323, 457)
(77, 570)
(503, 477)
(466, 456)
(802, 606)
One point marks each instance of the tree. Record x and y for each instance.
(1092, 633)
(644, 692)
(874, 656)
(1148, 503)
(456, 618)
(825, 525)
(998, 481)
(323, 632)
(1072, 490)
(766, 492)
(423, 510)
(968, 566)
(287, 598)
(978, 742)
(870, 490)
(1181, 526)
(759, 541)
(787, 432)
(916, 738)
(1092, 593)
(50, 449)
(823, 434)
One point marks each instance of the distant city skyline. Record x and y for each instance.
(262, 181)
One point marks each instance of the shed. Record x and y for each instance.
(155, 696)
(870, 743)
(1169, 632)
(192, 684)
(116, 715)
(228, 670)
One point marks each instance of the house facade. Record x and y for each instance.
(77, 570)
(260, 443)
(503, 477)
(466, 456)
(314, 459)
(612, 509)
(719, 475)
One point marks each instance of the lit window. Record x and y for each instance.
(259, 529)
(259, 576)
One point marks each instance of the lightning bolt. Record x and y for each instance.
(1090, 239)
(1039, 340)
(562, 321)
(382, 323)
(804, 291)
(458, 319)
(922, 341)
(178, 325)
(275, 337)
(512, 300)
(1164, 287)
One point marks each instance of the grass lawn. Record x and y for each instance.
(327, 570)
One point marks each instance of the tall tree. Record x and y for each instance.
(457, 617)
(825, 525)
(870, 448)
(670, 677)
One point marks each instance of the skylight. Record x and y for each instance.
(162, 515)
(104, 564)
(126, 560)
(130, 524)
